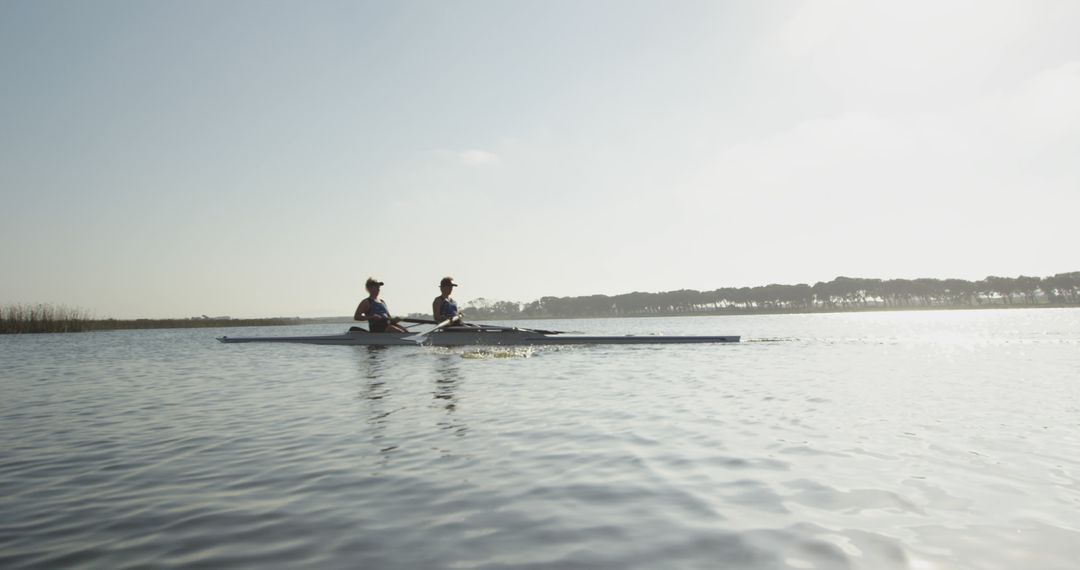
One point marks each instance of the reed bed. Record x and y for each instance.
(44, 318)
(116, 324)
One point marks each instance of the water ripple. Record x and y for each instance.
(825, 441)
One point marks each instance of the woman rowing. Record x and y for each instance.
(374, 310)
(443, 307)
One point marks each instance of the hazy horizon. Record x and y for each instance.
(264, 158)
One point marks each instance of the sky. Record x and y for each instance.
(263, 158)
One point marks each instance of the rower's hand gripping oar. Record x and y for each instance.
(418, 338)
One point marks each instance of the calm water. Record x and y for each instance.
(916, 440)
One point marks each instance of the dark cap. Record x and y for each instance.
(373, 281)
(447, 281)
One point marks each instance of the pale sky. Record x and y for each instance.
(262, 158)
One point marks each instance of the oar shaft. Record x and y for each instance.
(419, 337)
(502, 328)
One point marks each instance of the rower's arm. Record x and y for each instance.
(361, 311)
(435, 306)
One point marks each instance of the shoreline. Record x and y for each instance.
(104, 325)
(815, 311)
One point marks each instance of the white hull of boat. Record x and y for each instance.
(483, 337)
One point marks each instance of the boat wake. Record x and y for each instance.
(514, 352)
(496, 352)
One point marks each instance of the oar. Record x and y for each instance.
(417, 321)
(538, 331)
(429, 322)
(418, 338)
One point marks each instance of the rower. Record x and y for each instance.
(443, 307)
(374, 310)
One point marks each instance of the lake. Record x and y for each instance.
(918, 440)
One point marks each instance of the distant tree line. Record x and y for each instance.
(842, 293)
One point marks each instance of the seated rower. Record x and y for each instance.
(443, 307)
(374, 310)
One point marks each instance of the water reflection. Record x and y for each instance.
(447, 377)
(390, 383)
(448, 380)
(373, 367)
(372, 361)
(376, 392)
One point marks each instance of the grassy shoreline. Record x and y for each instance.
(46, 318)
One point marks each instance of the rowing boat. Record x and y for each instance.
(479, 335)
